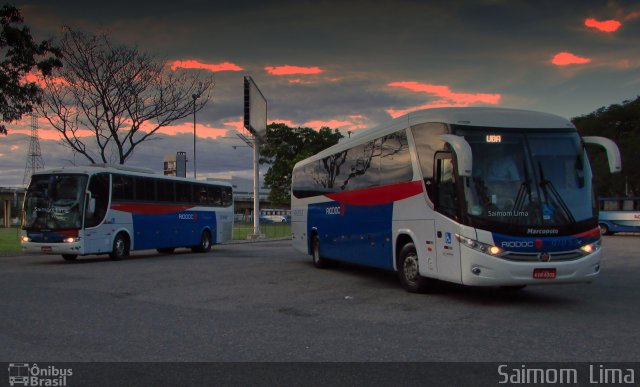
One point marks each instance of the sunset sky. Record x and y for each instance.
(353, 64)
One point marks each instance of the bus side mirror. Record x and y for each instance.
(613, 153)
(463, 153)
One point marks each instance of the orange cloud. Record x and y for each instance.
(349, 123)
(447, 97)
(194, 64)
(604, 26)
(567, 58)
(38, 79)
(202, 131)
(631, 16)
(293, 70)
(333, 124)
(289, 123)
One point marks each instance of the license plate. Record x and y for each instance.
(46, 249)
(544, 273)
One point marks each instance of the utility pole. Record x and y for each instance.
(194, 96)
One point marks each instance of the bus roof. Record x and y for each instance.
(125, 170)
(468, 116)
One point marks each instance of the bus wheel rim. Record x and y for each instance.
(410, 268)
(120, 247)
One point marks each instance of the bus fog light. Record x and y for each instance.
(476, 270)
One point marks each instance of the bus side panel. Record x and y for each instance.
(180, 229)
(354, 233)
(223, 222)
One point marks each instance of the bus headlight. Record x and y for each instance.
(479, 246)
(25, 239)
(590, 248)
(70, 240)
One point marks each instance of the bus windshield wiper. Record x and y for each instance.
(525, 188)
(547, 187)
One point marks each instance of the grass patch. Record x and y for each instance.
(270, 230)
(9, 242)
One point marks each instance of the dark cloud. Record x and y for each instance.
(490, 46)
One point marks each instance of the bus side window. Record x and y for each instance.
(446, 194)
(99, 189)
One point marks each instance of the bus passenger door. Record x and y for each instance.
(97, 235)
(446, 205)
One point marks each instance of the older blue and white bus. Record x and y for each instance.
(619, 214)
(105, 209)
(476, 196)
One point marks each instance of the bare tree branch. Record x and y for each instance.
(115, 91)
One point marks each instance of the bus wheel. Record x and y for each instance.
(604, 230)
(410, 277)
(120, 247)
(205, 243)
(69, 257)
(318, 261)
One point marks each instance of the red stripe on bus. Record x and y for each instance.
(149, 209)
(593, 233)
(378, 195)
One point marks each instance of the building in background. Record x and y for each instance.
(11, 199)
(176, 165)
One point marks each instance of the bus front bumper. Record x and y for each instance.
(71, 248)
(479, 269)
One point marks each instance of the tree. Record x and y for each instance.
(20, 55)
(621, 123)
(284, 147)
(119, 94)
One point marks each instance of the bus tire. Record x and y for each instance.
(120, 247)
(318, 261)
(408, 271)
(604, 229)
(69, 257)
(205, 243)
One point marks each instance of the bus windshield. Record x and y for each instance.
(55, 202)
(528, 178)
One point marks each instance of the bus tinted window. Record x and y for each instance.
(183, 193)
(122, 187)
(380, 162)
(362, 167)
(395, 159)
(165, 191)
(427, 139)
(145, 189)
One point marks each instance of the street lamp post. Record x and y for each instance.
(194, 96)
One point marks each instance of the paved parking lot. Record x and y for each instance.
(266, 302)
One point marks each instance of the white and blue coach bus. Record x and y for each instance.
(113, 210)
(476, 196)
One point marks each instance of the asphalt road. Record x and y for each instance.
(266, 302)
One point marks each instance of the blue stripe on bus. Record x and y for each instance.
(177, 229)
(350, 233)
(529, 244)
